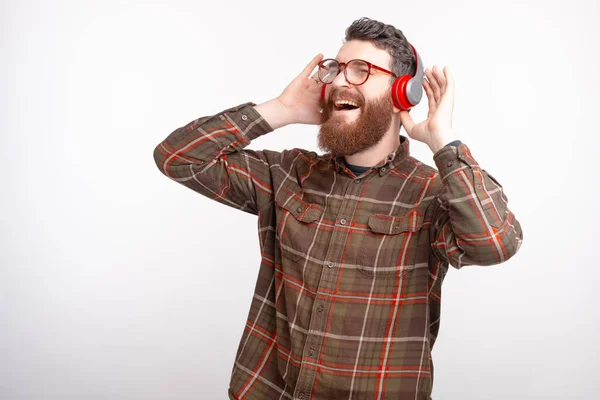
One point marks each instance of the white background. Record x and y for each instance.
(117, 283)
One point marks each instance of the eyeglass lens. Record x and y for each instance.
(356, 71)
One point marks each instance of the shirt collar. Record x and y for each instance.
(384, 166)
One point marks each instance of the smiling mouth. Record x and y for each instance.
(345, 105)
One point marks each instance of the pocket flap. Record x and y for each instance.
(301, 210)
(391, 225)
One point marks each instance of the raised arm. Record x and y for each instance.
(207, 155)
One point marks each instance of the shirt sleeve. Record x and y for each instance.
(471, 220)
(207, 155)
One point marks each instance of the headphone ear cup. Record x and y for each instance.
(399, 93)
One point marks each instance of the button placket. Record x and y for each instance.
(318, 321)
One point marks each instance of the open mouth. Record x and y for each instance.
(345, 105)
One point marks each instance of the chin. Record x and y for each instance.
(343, 117)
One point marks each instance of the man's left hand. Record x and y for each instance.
(436, 130)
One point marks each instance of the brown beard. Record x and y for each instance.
(348, 138)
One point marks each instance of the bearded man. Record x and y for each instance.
(355, 242)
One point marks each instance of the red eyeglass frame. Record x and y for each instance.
(342, 66)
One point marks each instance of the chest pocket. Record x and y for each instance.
(296, 223)
(389, 244)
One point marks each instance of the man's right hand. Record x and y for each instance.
(299, 103)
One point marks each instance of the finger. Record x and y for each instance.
(314, 86)
(311, 65)
(429, 93)
(315, 77)
(440, 79)
(433, 83)
(449, 79)
(407, 121)
(446, 106)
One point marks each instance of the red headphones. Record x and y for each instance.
(407, 90)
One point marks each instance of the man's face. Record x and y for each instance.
(349, 131)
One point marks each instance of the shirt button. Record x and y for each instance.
(343, 221)
(383, 169)
(320, 308)
(311, 352)
(329, 265)
(479, 187)
(450, 163)
(244, 117)
(357, 181)
(301, 396)
(299, 209)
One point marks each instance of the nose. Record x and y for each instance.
(340, 79)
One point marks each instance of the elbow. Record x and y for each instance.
(160, 158)
(497, 248)
(497, 253)
(514, 239)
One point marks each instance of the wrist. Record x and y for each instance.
(275, 113)
(439, 141)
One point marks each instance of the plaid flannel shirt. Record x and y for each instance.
(347, 299)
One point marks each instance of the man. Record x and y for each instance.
(355, 243)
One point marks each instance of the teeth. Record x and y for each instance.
(339, 103)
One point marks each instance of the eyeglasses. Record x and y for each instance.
(356, 71)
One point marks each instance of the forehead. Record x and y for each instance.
(365, 51)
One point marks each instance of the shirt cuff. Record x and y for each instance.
(452, 158)
(248, 121)
(454, 143)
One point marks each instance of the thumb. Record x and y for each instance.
(407, 121)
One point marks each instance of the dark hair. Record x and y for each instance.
(388, 38)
